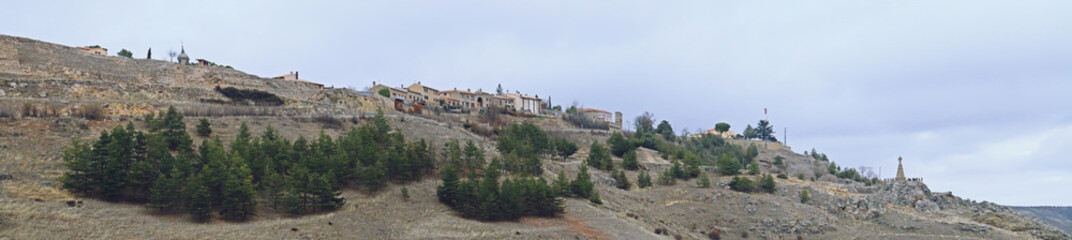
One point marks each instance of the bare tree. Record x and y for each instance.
(867, 172)
(171, 55)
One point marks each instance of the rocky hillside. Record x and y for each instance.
(1060, 217)
(63, 81)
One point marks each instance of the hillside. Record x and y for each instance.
(1060, 217)
(59, 83)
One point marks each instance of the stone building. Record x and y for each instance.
(95, 50)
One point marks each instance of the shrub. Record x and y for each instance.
(385, 93)
(91, 112)
(6, 112)
(714, 234)
(256, 96)
(800, 176)
(125, 53)
(741, 184)
(328, 121)
(783, 176)
(804, 196)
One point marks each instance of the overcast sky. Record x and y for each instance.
(975, 95)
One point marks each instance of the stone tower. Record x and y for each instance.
(900, 171)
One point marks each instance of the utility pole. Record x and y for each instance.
(785, 136)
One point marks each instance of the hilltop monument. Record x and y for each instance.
(183, 58)
(900, 171)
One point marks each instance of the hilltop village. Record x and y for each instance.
(115, 147)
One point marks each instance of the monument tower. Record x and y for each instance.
(900, 171)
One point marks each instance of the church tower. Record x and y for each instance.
(900, 171)
(183, 58)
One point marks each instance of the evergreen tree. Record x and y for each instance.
(474, 156)
(728, 165)
(510, 199)
(561, 185)
(665, 130)
(618, 144)
(676, 171)
(499, 90)
(204, 128)
(620, 180)
(405, 193)
(448, 192)
(81, 174)
(199, 204)
(564, 148)
(643, 180)
(753, 167)
(175, 130)
(581, 186)
(272, 189)
(325, 195)
(238, 202)
(766, 183)
(599, 157)
(629, 160)
(703, 182)
(667, 177)
(167, 193)
(741, 184)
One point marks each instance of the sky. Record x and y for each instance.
(974, 95)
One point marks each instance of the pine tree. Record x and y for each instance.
(175, 130)
(238, 201)
(448, 192)
(489, 208)
(81, 171)
(667, 177)
(728, 165)
(405, 193)
(766, 183)
(677, 171)
(620, 180)
(167, 193)
(629, 160)
(272, 189)
(204, 128)
(703, 182)
(325, 196)
(581, 186)
(643, 180)
(561, 185)
(753, 167)
(474, 157)
(199, 204)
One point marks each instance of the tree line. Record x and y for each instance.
(483, 196)
(268, 172)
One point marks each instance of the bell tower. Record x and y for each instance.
(900, 171)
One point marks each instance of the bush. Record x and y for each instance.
(800, 176)
(783, 176)
(328, 121)
(384, 92)
(125, 53)
(92, 112)
(618, 144)
(804, 196)
(255, 96)
(741, 184)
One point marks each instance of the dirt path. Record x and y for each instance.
(579, 226)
